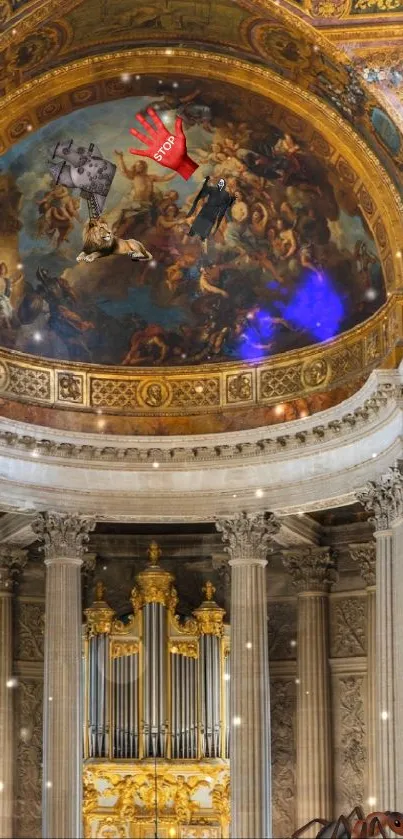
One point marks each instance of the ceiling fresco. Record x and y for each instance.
(304, 255)
(293, 264)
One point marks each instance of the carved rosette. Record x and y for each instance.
(12, 561)
(311, 569)
(365, 556)
(384, 498)
(63, 536)
(247, 536)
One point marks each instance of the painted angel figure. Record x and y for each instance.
(213, 210)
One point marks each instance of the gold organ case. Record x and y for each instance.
(156, 715)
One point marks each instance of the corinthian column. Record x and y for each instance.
(64, 539)
(12, 560)
(385, 500)
(365, 556)
(246, 539)
(313, 570)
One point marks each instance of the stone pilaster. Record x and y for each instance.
(313, 570)
(64, 538)
(12, 560)
(246, 538)
(365, 556)
(384, 498)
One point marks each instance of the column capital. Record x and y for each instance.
(12, 560)
(364, 554)
(311, 568)
(63, 536)
(247, 536)
(384, 498)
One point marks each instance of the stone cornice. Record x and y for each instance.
(380, 394)
(314, 463)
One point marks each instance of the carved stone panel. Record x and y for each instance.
(283, 757)
(350, 752)
(348, 627)
(282, 628)
(29, 631)
(28, 732)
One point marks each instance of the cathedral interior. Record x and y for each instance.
(201, 457)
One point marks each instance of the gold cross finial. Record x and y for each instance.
(154, 553)
(209, 590)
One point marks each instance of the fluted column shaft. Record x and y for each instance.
(313, 570)
(314, 743)
(11, 560)
(247, 537)
(249, 703)
(62, 730)
(372, 683)
(385, 727)
(6, 717)
(397, 593)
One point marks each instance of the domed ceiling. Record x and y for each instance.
(294, 262)
(286, 308)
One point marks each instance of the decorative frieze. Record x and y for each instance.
(348, 618)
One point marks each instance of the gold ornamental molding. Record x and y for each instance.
(213, 387)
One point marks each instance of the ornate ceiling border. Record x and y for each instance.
(313, 466)
(169, 391)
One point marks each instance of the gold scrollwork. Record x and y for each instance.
(99, 616)
(119, 649)
(187, 648)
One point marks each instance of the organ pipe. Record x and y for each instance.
(155, 687)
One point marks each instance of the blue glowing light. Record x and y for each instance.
(315, 307)
(257, 335)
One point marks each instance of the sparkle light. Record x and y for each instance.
(137, 78)
(125, 77)
(155, 464)
(99, 410)
(384, 715)
(104, 567)
(29, 127)
(50, 698)
(168, 52)
(1, 786)
(297, 681)
(259, 493)
(34, 453)
(234, 495)
(199, 388)
(293, 643)
(25, 734)
(13, 31)
(48, 784)
(37, 336)
(226, 677)
(236, 721)
(399, 254)
(175, 84)
(279, 409)
(20, 266)
(374, 454)
(101, 423)
(371, 801)
(370, 294)
(153, 263)
(11, 683)
(248, 645)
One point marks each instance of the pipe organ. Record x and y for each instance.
(156, 714)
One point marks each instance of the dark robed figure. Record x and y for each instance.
(213, 210)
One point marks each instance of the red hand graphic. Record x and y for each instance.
(168, 149)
